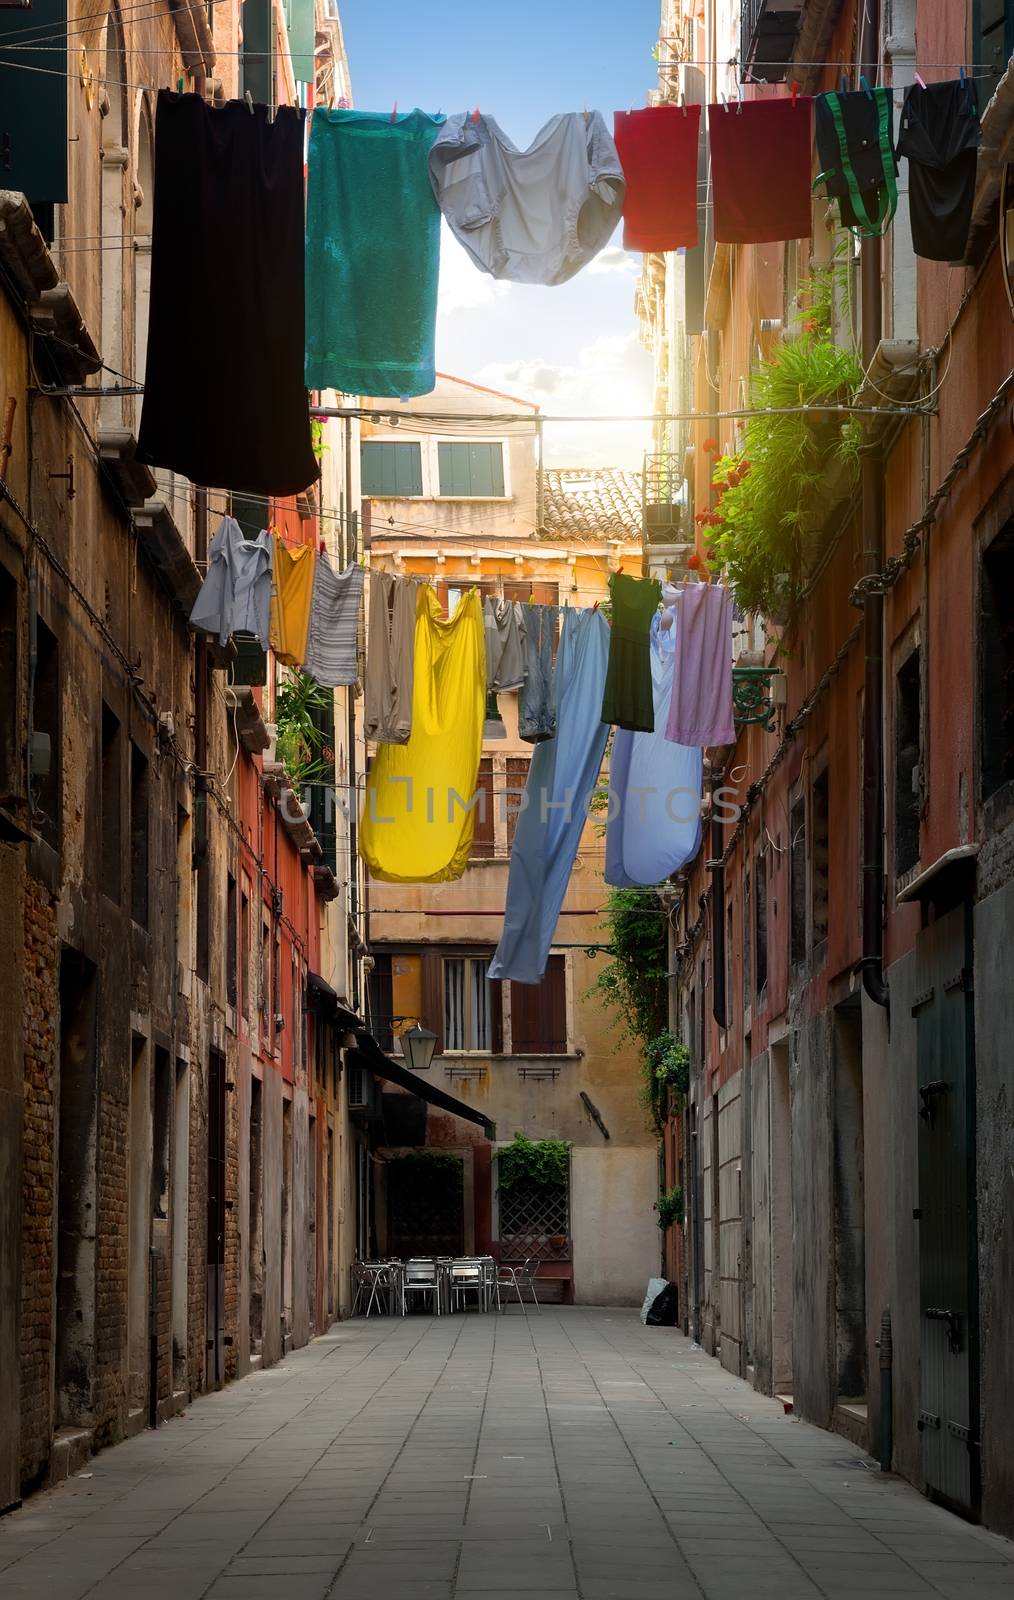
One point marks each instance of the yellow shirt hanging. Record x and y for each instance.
(417, 826)
(291, 594)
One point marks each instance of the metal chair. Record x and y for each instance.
(518, 1278)
(468, 1277)
(371, 1281)
(422, 1276)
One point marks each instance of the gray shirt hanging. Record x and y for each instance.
(332, 645)
(536, 215)
(235, 596)
(506, 644)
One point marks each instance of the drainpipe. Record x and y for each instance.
(886, 1346)
(717, 909)
(872, 961)
(200, 841)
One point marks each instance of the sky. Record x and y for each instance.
(573, 348)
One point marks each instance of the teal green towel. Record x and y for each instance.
(372, 253)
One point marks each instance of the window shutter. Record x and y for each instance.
(33, 102)
(471, 470)
(392, 470)
(539, 1013)
(517, 777)
(482, 825)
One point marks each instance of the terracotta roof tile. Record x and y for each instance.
(591, 503)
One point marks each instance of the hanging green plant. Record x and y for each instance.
(769, 519)
(634, 980)
(666, 1077)
(301, 746)
(670, 1208)
(535, 1163)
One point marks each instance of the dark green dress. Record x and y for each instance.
(628, 701)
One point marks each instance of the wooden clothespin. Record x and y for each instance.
(683, 102)
(595, 606)
(394, 111)
(584, 113)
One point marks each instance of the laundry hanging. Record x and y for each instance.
(227, 281)
(658, 150)
(506, 644)
(390, 658)
(701, 709)
(291, 596)
(417, 821)
(940, 135)
(332, 644)
(537, 709)
(235, 596)
(627, 700)
(372, 253)
(761, 160)
(856, 155)
(536, 215)
(561, 778)
(654, 824)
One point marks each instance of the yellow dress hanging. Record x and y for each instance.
(417, 823)
(291, 595)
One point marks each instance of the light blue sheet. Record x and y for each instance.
(562, 775)
(654, 825)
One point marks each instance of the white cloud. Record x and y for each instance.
(614, 260)
(463, 287)
(612, 376)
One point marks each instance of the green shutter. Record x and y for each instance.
(301, 26)
(391, 469)
(258, 54)
(33, 101)
(471, 470)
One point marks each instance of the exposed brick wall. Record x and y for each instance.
(111, 1266)
(41, 1010)
(232, 1216)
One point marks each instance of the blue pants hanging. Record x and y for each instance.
(561, 778)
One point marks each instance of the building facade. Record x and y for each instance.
(457, 495)
(848, 1133)
(178, 939)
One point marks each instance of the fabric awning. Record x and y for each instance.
(326, 1002)
(384, 1067)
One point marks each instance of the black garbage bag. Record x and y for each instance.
(664, 1309)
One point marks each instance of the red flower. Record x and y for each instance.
(710, 445)
(694, 562)
(811, 325)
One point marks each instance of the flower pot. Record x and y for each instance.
(556, 1241)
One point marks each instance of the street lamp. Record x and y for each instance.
(418, 1045)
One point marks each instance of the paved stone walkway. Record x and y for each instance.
(569, 1454)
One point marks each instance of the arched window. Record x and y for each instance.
(115, 161)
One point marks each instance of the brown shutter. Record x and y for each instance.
(517, 777)
(482, 834)
(539, 1013)
(496, 1015)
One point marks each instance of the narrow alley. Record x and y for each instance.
(569, 1452)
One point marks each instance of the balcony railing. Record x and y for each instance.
(769, 29)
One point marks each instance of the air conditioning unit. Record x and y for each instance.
(364, 1093)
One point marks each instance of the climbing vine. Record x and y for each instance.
(536, 1163)
(670, 1207)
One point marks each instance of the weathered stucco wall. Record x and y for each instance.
(617, 1243)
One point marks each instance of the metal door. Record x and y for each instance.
(948, 1416)
(215, 1326)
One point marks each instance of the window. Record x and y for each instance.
(746, 940)
(532, 593)
(820, 866)
(907, 768)
(265, 973)
(138, 836)
(468, 1009)
(482, 826)
(996, 663)
(760, 923)
(992, 42)
(517, 777)
(797, 881)
(471, 470)
(539, 1013)
(381, 1001)
(250, 513)
(394, 470)
(244, 953)
(112, 823)
(46, 788)
(230, 940)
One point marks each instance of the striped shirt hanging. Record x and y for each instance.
(332, 642)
